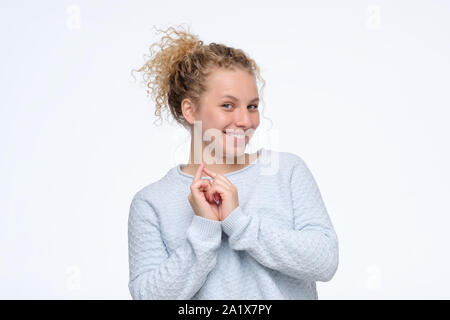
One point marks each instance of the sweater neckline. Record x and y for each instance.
(261, 152)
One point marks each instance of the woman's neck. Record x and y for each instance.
(222, 168)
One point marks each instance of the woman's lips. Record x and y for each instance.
(235, 138)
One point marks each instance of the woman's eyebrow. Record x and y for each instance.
(236, 99)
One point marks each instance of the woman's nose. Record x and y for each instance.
(243, 118)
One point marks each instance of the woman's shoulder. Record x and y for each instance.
(284, 160)
(156, 189)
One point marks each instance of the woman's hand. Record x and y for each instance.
(224, 191)
(201, 202)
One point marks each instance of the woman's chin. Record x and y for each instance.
(233, 147)
(234, 151)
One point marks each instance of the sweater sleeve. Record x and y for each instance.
(156, 275)
(309, 251)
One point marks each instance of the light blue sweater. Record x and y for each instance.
(275, 245)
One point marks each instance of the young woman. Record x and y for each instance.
(222, 226)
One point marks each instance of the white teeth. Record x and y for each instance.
(239, 136)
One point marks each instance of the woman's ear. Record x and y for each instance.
(188, 109)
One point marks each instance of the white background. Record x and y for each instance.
(358, 89)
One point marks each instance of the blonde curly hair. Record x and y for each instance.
(179, 69)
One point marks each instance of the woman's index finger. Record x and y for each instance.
(209, 172)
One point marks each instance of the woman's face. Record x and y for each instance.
(229, 105)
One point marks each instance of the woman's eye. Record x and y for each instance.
(228, 104)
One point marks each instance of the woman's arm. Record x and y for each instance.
(156, 275)
(309, 251)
